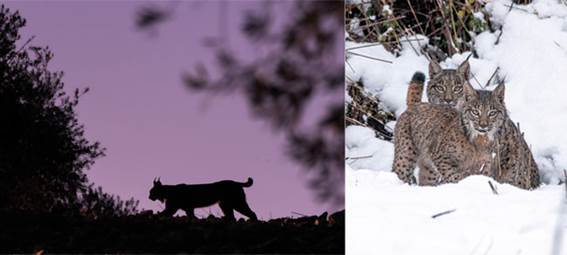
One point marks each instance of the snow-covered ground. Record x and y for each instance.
(387, 217)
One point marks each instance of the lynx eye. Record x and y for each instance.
(458, 89)
(439, 88)
(492, 113)
(475, 113)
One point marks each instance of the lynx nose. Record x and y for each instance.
(449, 102)
(482, 127)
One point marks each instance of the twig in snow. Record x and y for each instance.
(475, 79)
(443, 213)
(491, 77)
(501, 30)
(493, 188)
(559, 45)
(349, 65)
(349, 79)
(517, 8)
(358, 157)
(364, 46)
(381, 43)
(373, 58)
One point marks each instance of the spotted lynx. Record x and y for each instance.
(515, 163)
(449, 144)
(510, 160)
(444, 86)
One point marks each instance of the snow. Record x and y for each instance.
(360, 145)
(388, 81)
(385, 216)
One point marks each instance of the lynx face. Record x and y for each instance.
(483, 111)
(446, 86)
(156, 191)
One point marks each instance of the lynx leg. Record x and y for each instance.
(169, 211)
(190, 212)
(227, 210)
(448, 170)
(405, 154)
(428, 174)
(243, 208)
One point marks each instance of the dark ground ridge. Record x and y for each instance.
(22, 232)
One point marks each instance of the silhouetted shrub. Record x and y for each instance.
(43, 151)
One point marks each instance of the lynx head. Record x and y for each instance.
(446, 86)
(156, 192)
(483, 111)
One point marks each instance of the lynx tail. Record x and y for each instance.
(248, 183)
(415, 89)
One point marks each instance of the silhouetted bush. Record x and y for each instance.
(43, 151)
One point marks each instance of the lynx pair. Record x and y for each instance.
(459, 132)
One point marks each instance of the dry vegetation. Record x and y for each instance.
(450, 26)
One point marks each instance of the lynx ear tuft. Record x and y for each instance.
(498, 92)
(464, 69)
(434, 68)
(469, 91)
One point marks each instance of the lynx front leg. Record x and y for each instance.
(228, 211)
(428, 174)
(405, 154)
(169, 210)
(448, 170)
(190, 212)
(244, 209)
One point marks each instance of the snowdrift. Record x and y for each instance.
(385, 216)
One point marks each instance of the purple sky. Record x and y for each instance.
(150, 124)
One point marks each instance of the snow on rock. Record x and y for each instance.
(531, 53)
(385, 216)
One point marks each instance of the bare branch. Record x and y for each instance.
(373, 58)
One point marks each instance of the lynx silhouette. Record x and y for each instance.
(228, 194)
(444, 86)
